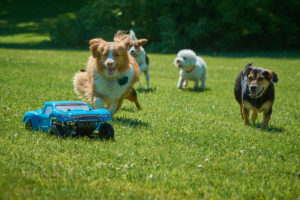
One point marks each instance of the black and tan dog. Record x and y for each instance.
(254, 90)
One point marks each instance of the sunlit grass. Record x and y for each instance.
(183, 144)
(24, 38)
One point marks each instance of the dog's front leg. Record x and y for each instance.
(180, 83)
(267, 117)
(203, 79)
(202, 85)
(142, 69)
(147, 77)
(254, 115)
(246, 115)
(98, 104)
(196, 85)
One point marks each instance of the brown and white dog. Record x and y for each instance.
(110, 74)
(254, 90)
(138, 52)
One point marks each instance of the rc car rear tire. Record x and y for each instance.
(28, 125)
(106, 131)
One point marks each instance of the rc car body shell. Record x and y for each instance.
(66, 113)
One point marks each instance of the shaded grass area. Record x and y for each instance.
(183, 144)
(25, 24)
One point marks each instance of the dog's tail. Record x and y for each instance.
(121, 36)
(80, 83)
(132, 35)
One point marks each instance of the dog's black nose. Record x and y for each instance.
(177, 61)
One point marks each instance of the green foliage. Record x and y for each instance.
(197, 24)
(183, 144)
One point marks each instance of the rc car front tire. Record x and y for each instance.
(106, 132)
(28, 125)
(56, 130)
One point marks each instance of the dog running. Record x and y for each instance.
(254, 90)
(191, 67)
(110, 74)
(138, 52)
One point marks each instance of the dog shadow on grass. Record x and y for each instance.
(129, 109)
(269, 128)
(129, 122)
(144, 90)
(196, 90)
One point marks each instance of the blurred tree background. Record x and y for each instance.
(170, 25)
(197, 24)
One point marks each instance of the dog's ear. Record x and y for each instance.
(275, 77)
(142, 42)
(247, 69)
(94, 44)
(270, 75)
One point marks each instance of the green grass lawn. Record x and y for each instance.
(183, 144)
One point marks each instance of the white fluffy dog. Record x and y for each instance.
(192, 67)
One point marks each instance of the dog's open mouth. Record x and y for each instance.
(179, 65)
(111, 70)
(133, 54)
(256, 93)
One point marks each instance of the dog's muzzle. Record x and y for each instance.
(133, 53)
(255, 92)
(178, 63)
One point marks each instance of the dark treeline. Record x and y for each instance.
(169, 25)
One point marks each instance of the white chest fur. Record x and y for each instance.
(112, 90)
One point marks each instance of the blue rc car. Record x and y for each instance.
(70, 118)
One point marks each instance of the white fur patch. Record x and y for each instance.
(111, 89)
(110, 58)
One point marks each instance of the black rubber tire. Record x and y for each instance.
(56, 130)
(28, 125)
(106, 132)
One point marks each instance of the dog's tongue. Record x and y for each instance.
(253, 93)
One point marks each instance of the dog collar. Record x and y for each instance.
(123, 80)
(190, 70)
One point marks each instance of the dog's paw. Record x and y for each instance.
(185, 83)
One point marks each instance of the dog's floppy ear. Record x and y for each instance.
(270, 75)
(142, 42)
(275, 77)
(247, 69)
(94, 44)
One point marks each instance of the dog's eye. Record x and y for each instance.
(250, 78)
(184, 58)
